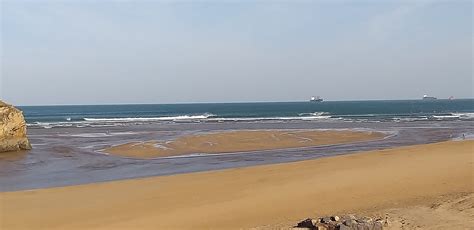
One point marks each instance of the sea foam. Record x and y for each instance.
(146, 119)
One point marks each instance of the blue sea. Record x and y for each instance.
(68, 140)
(351, 111)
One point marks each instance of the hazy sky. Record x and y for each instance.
(96, 52)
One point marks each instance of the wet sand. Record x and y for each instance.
(72, 156)
(239, 141)
(259, 196)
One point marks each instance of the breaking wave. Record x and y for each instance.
(146, 119)
(207, 117)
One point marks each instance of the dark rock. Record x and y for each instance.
(346, 222)
(308, 223)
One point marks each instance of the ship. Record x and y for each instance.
(315, 99)
(426, 97)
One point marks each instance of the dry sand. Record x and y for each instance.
(453, 211)
(239, 141)
(261, 196)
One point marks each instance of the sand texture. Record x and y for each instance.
(454, 211)
(239, 141)
(260, 196)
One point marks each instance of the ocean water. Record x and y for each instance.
(68, 140)
(351, 111)
(357, 111)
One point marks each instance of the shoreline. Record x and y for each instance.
(268, 195)
(75, 158)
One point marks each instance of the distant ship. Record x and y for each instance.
(316, 99)
(426, 97)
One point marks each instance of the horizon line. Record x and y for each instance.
(236, 102)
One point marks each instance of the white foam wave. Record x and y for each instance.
(314, 114)
(78, 124)
(147, 119)
(445, 117)
(305, 118)
(465, 116)
(48, 125)
(110, 122)
(409, 119)
(98, 134)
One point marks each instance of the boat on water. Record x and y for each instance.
(426, 97)
(315, 99)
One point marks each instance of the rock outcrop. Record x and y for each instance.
(345, 222)
(12, 129)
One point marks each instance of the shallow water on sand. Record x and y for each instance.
(71, 155)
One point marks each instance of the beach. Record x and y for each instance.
(301, 115)
(239, 141)
(268, 196)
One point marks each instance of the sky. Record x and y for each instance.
(115, 52)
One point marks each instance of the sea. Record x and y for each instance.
(351, 111)
(68, 141)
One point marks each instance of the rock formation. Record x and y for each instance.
(12, 129)
(345, 222)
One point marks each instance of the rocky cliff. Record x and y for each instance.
(12, 129)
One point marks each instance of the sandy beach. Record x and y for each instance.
(239, 141)
(261, 196)
(297, 115)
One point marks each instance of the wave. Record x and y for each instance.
(94, 135)
(409, 119)
(314, 114)
(146, 119)
(306, 118)
(207, 117)
(452, 116)
(77, 124)
(465, 116)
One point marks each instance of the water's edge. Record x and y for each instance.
(68, 156)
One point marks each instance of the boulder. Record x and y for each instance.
(326, 220)
(345, 222)
(308, 223)
(12, 129)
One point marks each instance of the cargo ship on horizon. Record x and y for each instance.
(315, 99)
(426, 97)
